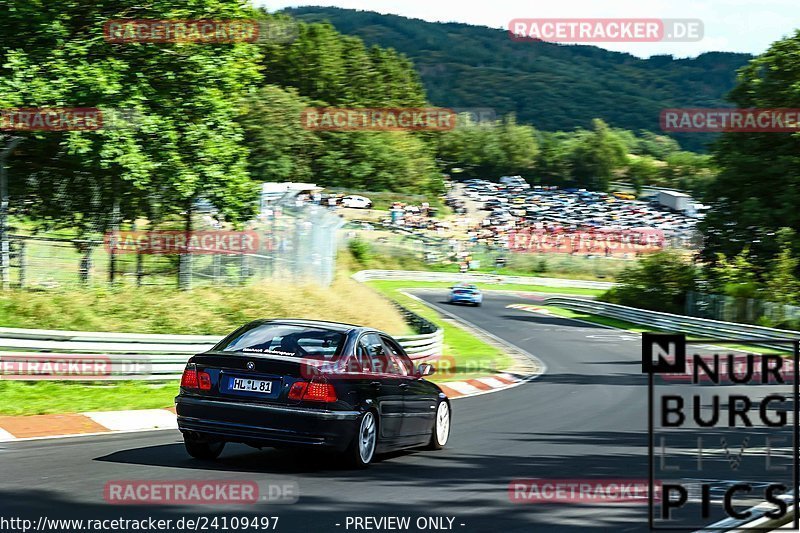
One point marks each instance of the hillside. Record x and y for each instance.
(552, 86)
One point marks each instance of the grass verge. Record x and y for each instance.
(49, 397)
(384, 285)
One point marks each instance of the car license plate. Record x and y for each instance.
(250, 385)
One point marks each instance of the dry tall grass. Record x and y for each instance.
(207, 310)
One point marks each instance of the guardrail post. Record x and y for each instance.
(139, 268)
(86, 262)
(216, 266)
(23, 262)
(5, 254)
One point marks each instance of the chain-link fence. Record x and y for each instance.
(292, 242)
(432, 250)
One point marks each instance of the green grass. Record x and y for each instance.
(395, 258)
(384, 285)
(47, 397)
(471, 356)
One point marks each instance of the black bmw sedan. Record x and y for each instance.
(308, 383)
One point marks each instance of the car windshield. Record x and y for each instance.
(284, 340)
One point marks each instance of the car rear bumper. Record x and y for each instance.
(266, 425)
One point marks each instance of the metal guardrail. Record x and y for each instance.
(120, 356)
(419, 275)
(678, 323)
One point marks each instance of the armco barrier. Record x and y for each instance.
(419, 275)
(138, 356)
(700, 327)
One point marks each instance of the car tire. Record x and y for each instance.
(440, 433)
(362, 449)
(477, 304)
(206, 450)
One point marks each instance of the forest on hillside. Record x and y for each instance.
(551, 86)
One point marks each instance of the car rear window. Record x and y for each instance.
(285, 340)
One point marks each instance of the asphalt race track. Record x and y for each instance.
(585, 418)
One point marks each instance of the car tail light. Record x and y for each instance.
(192, 379)
(205, 380)
(320, 392)
(297, 390)
(314, 391)
(189, 377)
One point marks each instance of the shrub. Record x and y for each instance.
(659, 282)
(360, 249)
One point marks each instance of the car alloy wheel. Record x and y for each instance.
(442, 428)
(367, 435)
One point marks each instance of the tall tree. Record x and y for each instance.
(280, 148)
(597, 154)
(185, 142)
(490, 150)
(758, 189)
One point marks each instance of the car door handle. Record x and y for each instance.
(403, 385)
(376, 384)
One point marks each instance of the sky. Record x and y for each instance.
(729, 25)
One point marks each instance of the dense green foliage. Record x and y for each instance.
(489, 149)
(321, 67)
(210, 120)
(758, 189)
(662, 282)
(552, 86)
(184, 143)
(339, 70)
(658, 282)
(580, 158)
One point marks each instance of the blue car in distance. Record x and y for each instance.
(465, 294)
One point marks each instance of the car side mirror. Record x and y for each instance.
(425, 369)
